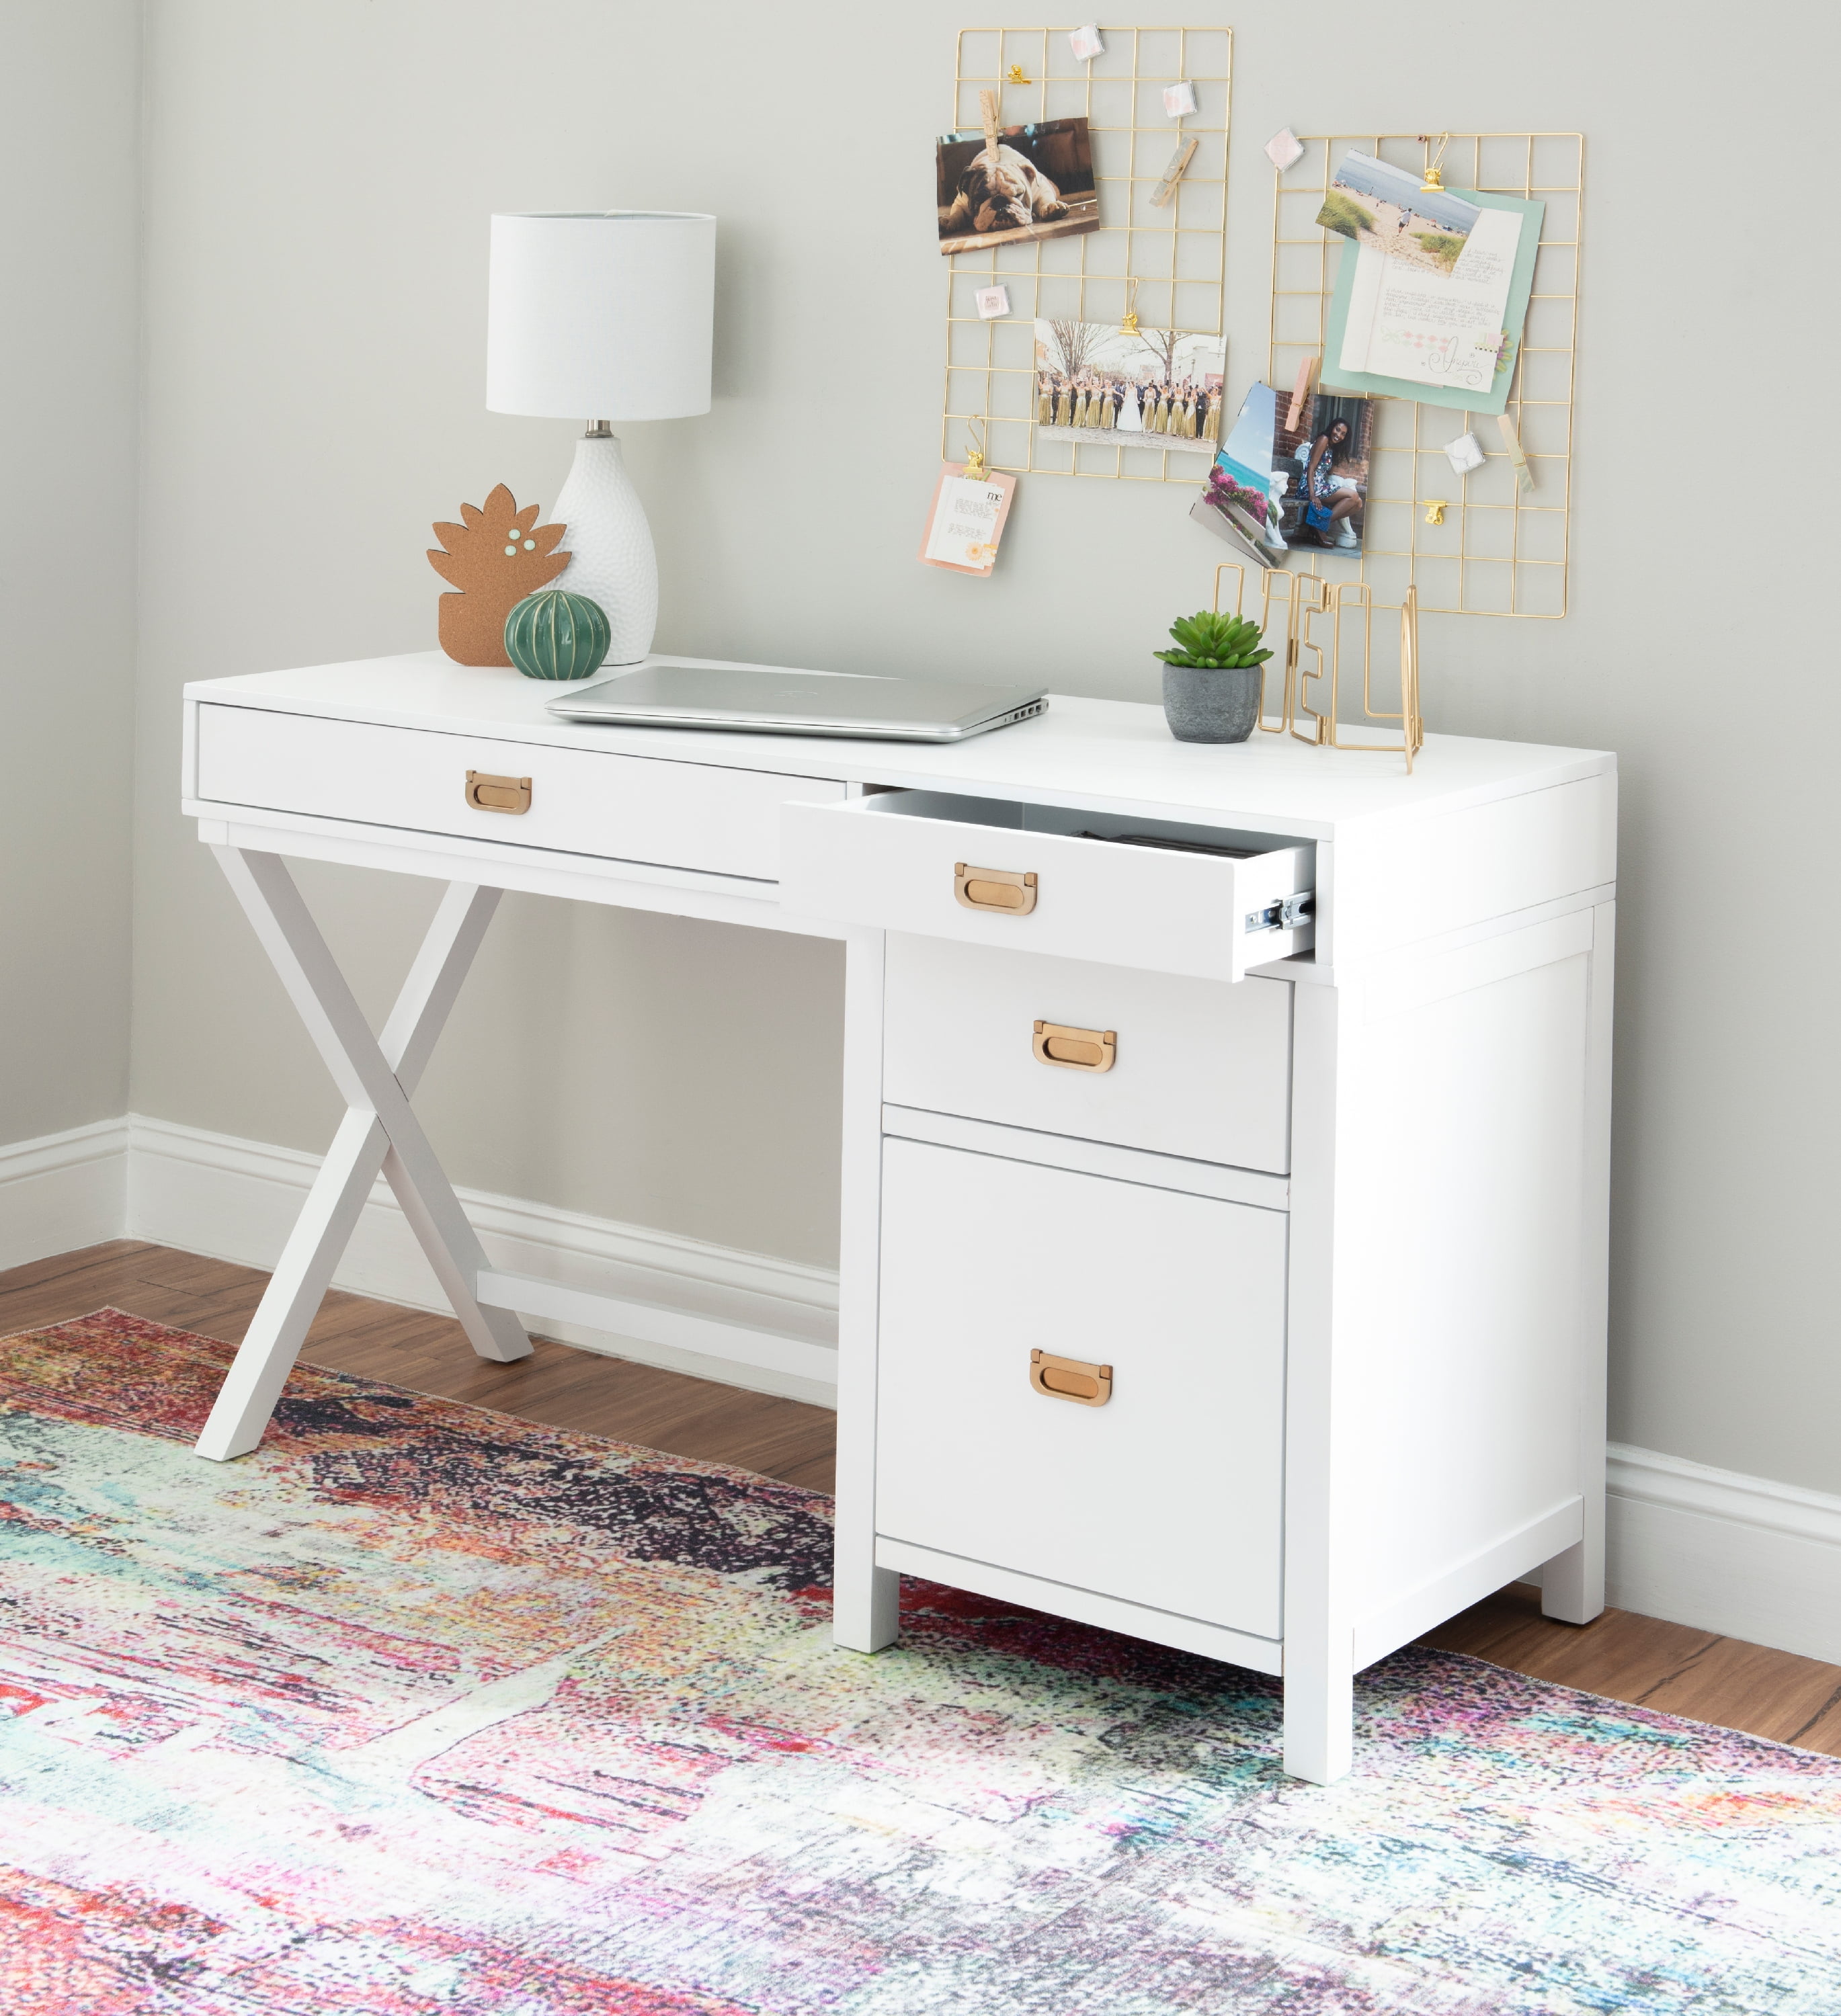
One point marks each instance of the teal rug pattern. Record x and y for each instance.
(422, 1708)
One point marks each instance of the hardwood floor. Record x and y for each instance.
(1668, 1666)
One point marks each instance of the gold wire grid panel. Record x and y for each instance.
(1500, 550)
(1165, 265)
(1303, 613)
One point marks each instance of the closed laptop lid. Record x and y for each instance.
(751, 697)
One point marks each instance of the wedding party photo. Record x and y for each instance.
(1123, 387)
(1036, 182)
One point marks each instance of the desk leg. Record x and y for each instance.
(1573, 1584)
(865, 1600)
(1319, 1636)
(378, 1131)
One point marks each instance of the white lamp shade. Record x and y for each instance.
(603, 315)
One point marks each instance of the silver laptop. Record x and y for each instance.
(773, 703)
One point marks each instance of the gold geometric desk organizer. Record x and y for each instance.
(1295, 605)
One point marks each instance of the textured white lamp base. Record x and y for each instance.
(613, 561)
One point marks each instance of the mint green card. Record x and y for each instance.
(1521, 282)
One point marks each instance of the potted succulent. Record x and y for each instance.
(1212, 680)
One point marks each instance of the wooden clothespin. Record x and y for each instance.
(1524, 474)
(987, 114)
(1300, 392)
(1172, 174)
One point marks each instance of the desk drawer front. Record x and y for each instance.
(1195, 1069)
(1166, 1490)
(574, 800)
(1024, 878)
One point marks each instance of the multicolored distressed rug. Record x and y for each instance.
(423, 1708)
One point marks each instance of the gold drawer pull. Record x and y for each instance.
(1076, 1050)
(498, 794)
(994, 889)
(1070, 1379)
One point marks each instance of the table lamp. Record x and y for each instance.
(606, 313)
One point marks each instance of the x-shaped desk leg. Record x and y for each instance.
(376, 1076)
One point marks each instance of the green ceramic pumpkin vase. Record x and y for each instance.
(554, 634)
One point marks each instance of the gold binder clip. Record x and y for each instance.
(1128, 326)
(1016, 75)
(974, 470)
(1433, 179)
(1434, 510)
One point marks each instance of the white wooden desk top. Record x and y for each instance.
(1104, 755)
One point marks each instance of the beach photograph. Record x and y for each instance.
(1378, 204)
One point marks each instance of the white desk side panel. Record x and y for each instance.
(1462, 1137)
(1400, 881)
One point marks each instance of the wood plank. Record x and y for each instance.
(559, 1386)
(1672, 1667)
(1624, 1657)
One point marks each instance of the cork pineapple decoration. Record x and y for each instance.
(494, 557)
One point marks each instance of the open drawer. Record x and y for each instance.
(1206, 901)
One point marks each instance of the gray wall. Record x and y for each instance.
(69, 91)
(319, 179)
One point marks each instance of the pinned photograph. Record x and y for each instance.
(1274, 488)
(1379, 205)
(1129, 388)
(1031, 182)
(1242, 501)
(992, 303)
(1324, 467)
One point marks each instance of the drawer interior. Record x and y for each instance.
(1230, 842)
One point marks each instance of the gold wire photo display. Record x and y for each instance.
(1161, 260)
(1476, 543)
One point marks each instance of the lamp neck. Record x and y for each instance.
(597, 430)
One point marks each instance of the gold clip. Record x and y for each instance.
(1434, 510)
(1129, 325)
(974, 470)
(1433, 179)
(1016, 75)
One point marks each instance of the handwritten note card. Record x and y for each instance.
(967, 520)
(1430, 330)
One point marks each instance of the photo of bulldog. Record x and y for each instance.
(1036, 182)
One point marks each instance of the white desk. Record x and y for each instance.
(1223, 1241)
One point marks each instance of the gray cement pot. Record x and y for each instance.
(1204, 704)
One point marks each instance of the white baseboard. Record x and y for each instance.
(237, 1200)
(1709, 1548)
(62, 1191)
(1723, 1552)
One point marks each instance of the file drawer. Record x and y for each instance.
(1028, 878)
(1193, 1067)
(527, 794)
(1159, 1483)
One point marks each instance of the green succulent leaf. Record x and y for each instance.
(1215, 642)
